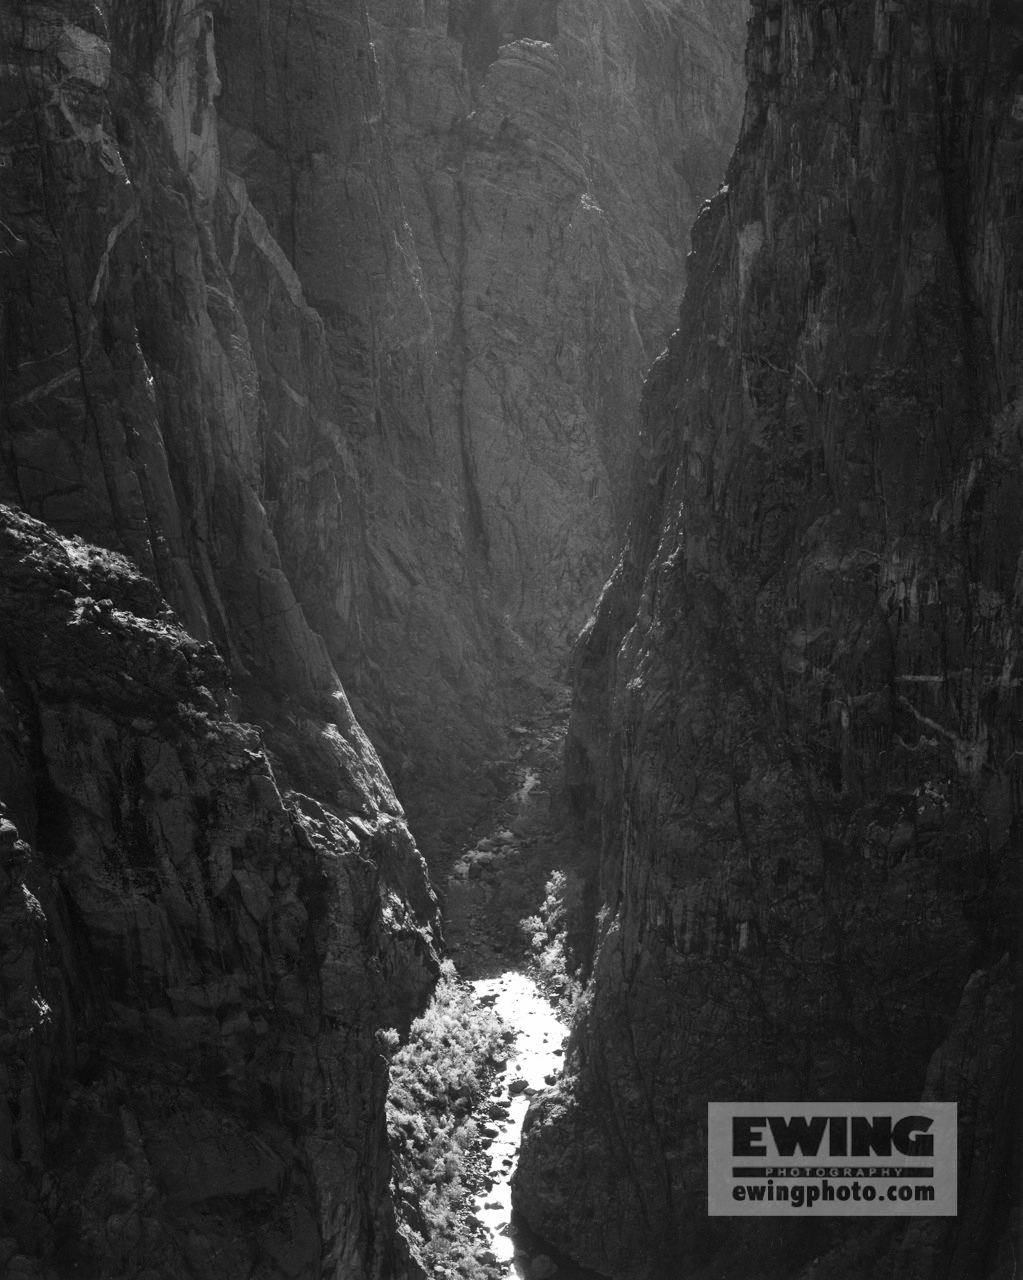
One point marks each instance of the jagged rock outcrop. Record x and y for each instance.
(798, 712)
(195, 955)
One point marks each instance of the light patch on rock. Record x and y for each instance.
(751, 240)
(84, 56)
(186, 89)
(254, 223)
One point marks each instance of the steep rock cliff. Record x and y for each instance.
(797, 721)
(428, 176)
(660, 88)
(531, 143)
(196, 955)
(364, 490)
(206, 920)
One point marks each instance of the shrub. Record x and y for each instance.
(438, 1078)
(551, 956)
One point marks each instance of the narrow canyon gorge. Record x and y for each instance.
(371, 370)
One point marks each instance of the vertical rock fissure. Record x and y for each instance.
(477, 522)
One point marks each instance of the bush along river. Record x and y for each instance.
(495, 1034)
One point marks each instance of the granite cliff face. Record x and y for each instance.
(797, 720)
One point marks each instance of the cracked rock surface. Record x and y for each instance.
(196, 953)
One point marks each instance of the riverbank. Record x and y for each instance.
(498, 876)
(505, 924)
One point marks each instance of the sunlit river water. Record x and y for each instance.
(534, 1059)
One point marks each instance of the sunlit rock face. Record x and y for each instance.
(210, 900)
(538, 149)
(797, 717)
(462, 400)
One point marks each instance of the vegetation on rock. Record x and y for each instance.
(552, 956)
(439, 1079)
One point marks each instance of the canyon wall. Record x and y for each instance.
(797, 721)
(210, 900)
(197, 948)
(436, 174)
(365, 485)
(532, 144)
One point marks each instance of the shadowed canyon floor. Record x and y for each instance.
(497, 878)
(507, 925)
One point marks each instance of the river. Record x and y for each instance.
(496, 881)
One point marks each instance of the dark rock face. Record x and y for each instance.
(797, 712)
(205, 921)
(364, 489)
(195, 955)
